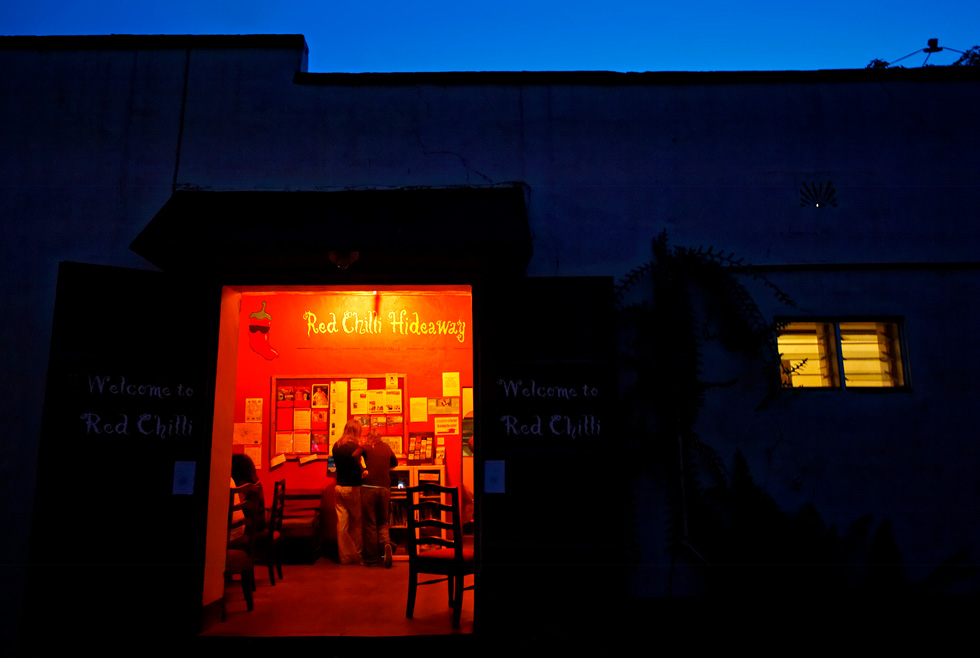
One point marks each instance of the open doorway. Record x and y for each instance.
(295, 363)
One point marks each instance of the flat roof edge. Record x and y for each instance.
(613, 78)
(153, 41)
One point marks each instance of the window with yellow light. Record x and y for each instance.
(841, 354)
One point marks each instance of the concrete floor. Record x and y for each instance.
(331, 600)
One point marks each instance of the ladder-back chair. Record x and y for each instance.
(435, 543)
(240, 554)
(269, 539)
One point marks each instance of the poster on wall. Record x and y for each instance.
(253, 410)
(447, 425)
(247, 434)
(418, 410)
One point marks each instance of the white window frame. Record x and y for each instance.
(835, 371)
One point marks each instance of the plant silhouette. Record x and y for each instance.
(719, 521)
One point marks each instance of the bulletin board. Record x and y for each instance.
(310, 412)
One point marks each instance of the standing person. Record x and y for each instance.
(375, 497)
(347, 460)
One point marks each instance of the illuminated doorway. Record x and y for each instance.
(294, 364)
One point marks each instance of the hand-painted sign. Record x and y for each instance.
(557, 413)
(120, 405)
(400, 323)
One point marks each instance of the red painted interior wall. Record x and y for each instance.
(387, 330)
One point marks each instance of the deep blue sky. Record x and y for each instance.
(532, 35)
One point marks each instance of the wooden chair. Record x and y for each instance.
(305, 520)
(427, 528)
(268, 541)
(240, 554)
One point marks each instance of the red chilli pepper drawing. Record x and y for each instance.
(259, 324)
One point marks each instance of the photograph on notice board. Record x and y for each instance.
(443, 406)
(320, 442)
(319, 419)
(394, 424)
(321, 396)
(285, 396)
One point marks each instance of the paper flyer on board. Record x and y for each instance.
(450, 384)
(284, 442)
(338, 410)
(418, 410)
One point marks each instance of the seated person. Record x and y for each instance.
(243, 472)
(236, 516)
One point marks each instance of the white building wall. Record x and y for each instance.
(97, 134)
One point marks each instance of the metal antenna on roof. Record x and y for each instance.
(931, 47)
